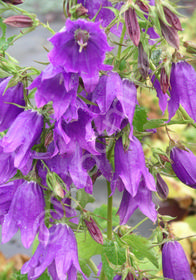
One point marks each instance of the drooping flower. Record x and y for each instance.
(60, 256)
(142, 200)
(162, 187)
(24, 213)
(132, 26)
(7, 168)
(182, 89)
(170, 34)
(9, 112)
(130, 168)
(172, 18)
(174, 262)
(55, 85)
(24, 132)
(183, 164)
(80, 48)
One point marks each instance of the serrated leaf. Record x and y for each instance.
(102, 213)
(140, 118)
(18, 276)
(84, 198)
(87, 247)
(140, 247)
(112, 256)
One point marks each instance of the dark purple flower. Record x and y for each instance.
(163, 98)
(142, 200)
(143, 63)
(164, 80)
(60, 256)
(24, 213)
(182, 89)
(55, 85)
(130, 168)
(174, 262)
(170, 34)
(162, 187)
(80, 48)
(13, 2)
(6, 195)
(23, 134)
(7, 169)
(94, 230)
(172, 19)
(9, 112)
(183, 164)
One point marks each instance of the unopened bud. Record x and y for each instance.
(13, 2)
(81, 11)
(172, 19)
(94, 230)
(132, 26)
(142, 6)
(143, 63)
(162, 187)
(19, 21)
(129, 276)
(164, 80)
(170, 34)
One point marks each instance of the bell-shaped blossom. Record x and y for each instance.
(55, 85)
(142, 200)
(9, 112)
(183, 164)
(60, 256)
(80, 48)
(26, 207)
(130, 168)
(174, 262)
(182, 89)
(6, 195)
(7, 168)
(22, 135)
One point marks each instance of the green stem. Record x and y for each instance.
(121, 41)
(102, 275)
(186, 116)
(109, 212)
(93, 266)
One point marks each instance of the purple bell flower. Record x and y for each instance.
(183, 164)
(174, 262)
(130, 168)
(23, 134)
(7, 169)
(182, 84)
(80, 48)
(60, 256)
(9, 112)
(142, 200)
(24, 213)
(55, 85)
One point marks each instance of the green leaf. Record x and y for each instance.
(140, 118)
(153, 124)
(87, 247)
(18, 276)
(85, 268)
(84, 198)
(112, 256)
(140, 247)
(102, 213)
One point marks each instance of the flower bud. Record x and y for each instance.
(164, 80)
(172, 19)
(19, 21)
(183, 164)
(94, 230)
(81, 11)
(174, 262)
(142, 6)
(170, 34)
(13, 2)
(143, 63)
(132, 26)
(162, 187)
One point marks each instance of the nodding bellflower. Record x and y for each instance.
(80, 48)
(174, 262)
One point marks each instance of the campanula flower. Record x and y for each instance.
(183, 164)
(24, 213)
(9, 112)
(174, 262)
(80, 48)
(60, 256)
